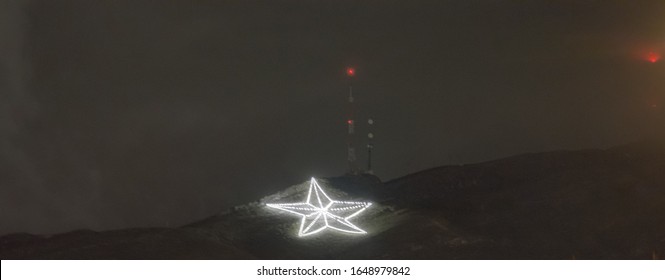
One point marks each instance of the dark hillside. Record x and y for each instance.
(589, 204)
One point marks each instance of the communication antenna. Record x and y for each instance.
(351, 152)
(370, 146)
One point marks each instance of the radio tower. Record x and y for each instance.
(370, 146)
(351, 151)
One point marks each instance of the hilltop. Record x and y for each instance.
(586, 204)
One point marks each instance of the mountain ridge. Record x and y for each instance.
(585, 204)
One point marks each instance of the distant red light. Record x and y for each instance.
(350, 72)
(653, 57)
(349, 121)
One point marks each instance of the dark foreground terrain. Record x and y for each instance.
(589, 204)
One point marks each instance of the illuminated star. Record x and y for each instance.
(320, 212)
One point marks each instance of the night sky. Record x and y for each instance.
(157, 113)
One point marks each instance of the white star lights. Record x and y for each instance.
(320, 212)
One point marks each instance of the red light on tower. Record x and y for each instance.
(653, 57)
(350, 72)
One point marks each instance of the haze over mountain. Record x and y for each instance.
(585, 204)
(144, 113)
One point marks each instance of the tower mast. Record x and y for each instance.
(370, 146)
(351, 152)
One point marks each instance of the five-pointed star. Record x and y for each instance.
(320, 212)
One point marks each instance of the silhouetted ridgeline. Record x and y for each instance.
(589, 204)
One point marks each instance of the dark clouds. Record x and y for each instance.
(137, 113)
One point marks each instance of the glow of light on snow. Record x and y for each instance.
(320, 212)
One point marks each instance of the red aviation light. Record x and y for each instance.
(349, 121)
(350, 72)
(653, 57)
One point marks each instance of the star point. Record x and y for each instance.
(320, 212)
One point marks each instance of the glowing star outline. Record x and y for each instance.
(316, 219)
